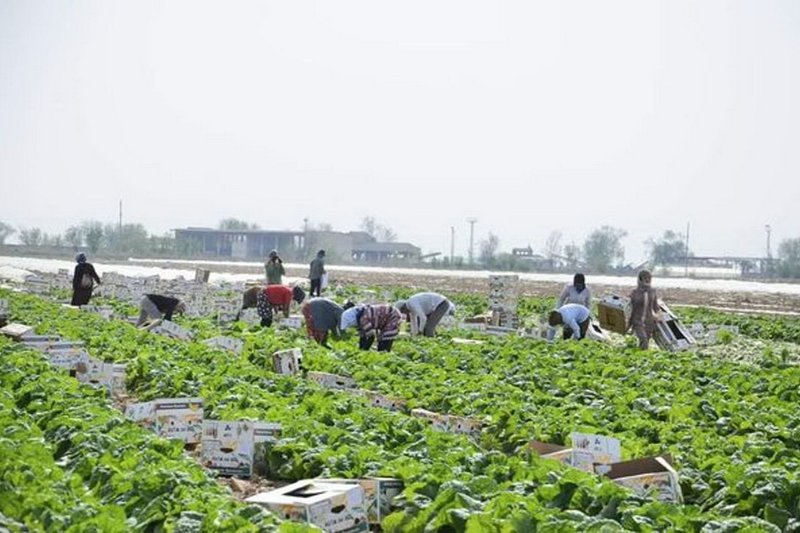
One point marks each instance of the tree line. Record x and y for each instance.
(601, 252)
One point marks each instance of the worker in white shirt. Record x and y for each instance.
(577, 293)
(425, 310)
(574, 318)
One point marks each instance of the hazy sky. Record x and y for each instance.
(530, 116)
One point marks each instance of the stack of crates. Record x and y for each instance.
(503, 294)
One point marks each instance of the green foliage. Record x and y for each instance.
(603, 249)
(667, 250)
(789, 258)
(733, 430)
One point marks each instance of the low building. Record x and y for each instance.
(386, 252)
(352, 246)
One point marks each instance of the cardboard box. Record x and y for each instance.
(179, 418)
(68, 359)
(448, 423)
(292, 322)
(118, 386)
(227, 447)
(670, 333)
(472, 342)
(201, 275)
(250, 316)
(376, 399)
(379, 492)
(576, 458)
(16, 331)
(612, 313)
(107, 312)
(331, 381)
(288, 362)
(436, 421)
(651, 476)
(143, 413)
(172, 330)
(334, 507)
(49, 345)
(604, 450)
(96, 373)
(226, 343)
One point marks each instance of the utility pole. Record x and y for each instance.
(452, 244)
(120, 216)
(471, 221)
(768, 228)
(686, 254)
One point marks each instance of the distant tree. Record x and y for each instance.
(93, 234)
(603, 248)
(789, 258)
(323, 226)
(130, 238)
(572, 255)
(668, 250)
(235, 224)
(163, 244)
(378, 231)
(552, 246)
(74, 236)
(52, 240)
(30, 236)
(488, 248)
(6, 230)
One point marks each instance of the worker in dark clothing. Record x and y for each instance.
(315, 273)
(155, 307)
(83, 281)
(322, 316)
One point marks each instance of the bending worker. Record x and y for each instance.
(425, 310)
(381, 321)
(322, 316)
(270, 299)
(156, 306)
(574, 318)
(577, 293)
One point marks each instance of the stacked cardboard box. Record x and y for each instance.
(503, 294)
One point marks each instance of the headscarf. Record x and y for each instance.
(641, 283)
(321, 253)
(579, 282)
(80, 258)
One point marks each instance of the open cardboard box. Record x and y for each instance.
(378, 494)
(331, 381)
(649, 476)
(612, 313)
(333, 507)
(580, 459)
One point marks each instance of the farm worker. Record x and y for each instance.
(425, 310)
(573, 317)
(83, 281)
(156, 306)
(274, 269)
(371, 321)
(270, 299)
(315, 273)
(644, 309)
(322, 316)
(577, 293)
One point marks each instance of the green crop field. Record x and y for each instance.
(729, 415)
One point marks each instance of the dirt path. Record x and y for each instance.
(769, 303)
